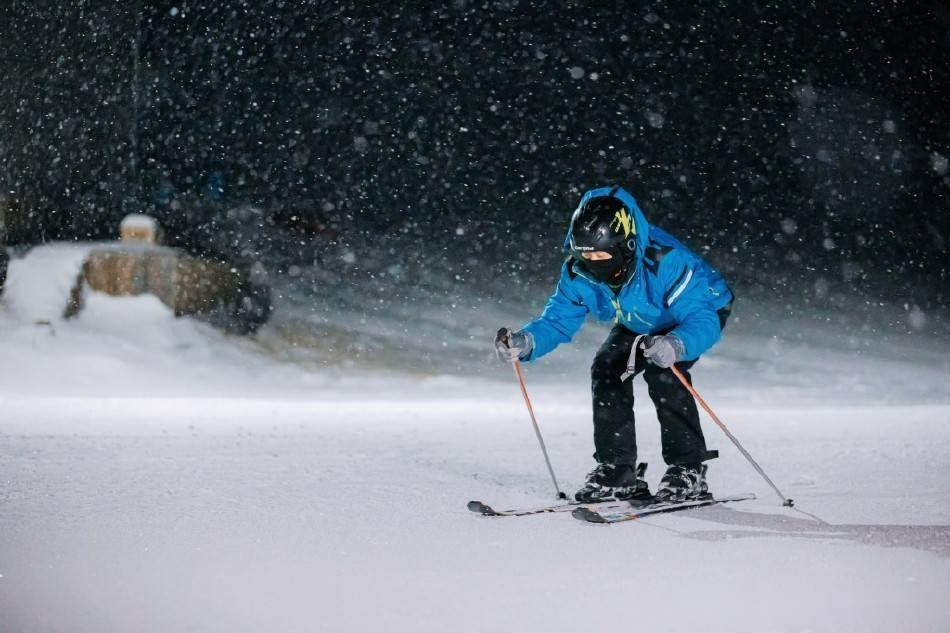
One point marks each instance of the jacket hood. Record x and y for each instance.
(641, 226)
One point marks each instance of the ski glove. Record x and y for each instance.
(664, 350)
(511, 346)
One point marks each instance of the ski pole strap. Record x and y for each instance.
(632, 359)
(785, 500)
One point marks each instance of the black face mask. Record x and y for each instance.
(608, 271)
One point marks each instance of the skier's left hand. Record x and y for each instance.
(664, 351)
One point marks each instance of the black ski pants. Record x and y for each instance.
(615, 436)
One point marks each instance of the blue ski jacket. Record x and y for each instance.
(671, 290)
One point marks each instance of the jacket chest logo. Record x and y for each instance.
(626, 317)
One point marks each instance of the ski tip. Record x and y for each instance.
(584, 514)
(481, 508)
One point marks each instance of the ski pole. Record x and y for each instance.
(537, 429)
(534, 421)
(785, 500)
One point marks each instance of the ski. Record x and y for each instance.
(628, 513)
(604, 506)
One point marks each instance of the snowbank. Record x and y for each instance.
(439, 344)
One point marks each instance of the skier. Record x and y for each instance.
(623, 269)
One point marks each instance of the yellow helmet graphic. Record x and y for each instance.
(623, 223)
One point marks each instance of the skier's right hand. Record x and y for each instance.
(511, 346)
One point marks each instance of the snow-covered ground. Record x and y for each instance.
(156, 475)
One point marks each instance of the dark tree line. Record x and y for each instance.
(795, 141)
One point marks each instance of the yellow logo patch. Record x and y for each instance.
(618, 311)
(623, 223)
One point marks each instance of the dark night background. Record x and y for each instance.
(802, 146)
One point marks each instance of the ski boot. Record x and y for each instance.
(615, 482)
(683, 483)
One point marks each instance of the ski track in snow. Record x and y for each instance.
(156, 475)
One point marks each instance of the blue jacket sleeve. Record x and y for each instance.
(562, 317)
(688, 299)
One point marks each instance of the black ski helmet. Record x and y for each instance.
(604, 223)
